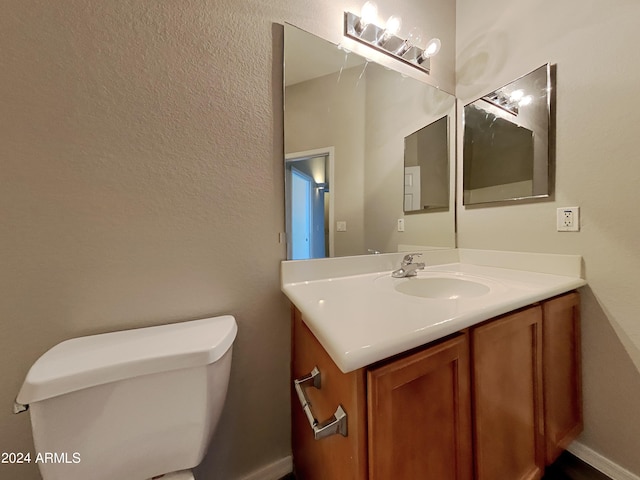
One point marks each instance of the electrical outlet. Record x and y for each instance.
(568, 219)
(401, 224)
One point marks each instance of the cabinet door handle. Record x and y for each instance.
(331, 426)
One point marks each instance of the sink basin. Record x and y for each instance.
(441, 287)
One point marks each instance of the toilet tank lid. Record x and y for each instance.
(98, 359)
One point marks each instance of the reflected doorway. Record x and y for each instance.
(302, 219)
(309, 209)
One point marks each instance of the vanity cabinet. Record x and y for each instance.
(498, 400)
(334, 457)
(419, 414)
(562, 373)
(507, 402)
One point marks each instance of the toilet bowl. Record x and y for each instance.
(131, 405)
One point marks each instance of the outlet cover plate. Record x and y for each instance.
(568, 219)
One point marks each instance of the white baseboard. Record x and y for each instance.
(273, 471)
(284, 466)
(597, 461)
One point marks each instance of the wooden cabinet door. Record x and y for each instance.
(420, 416)
(562, 373)
(334, 457)
(507, 390)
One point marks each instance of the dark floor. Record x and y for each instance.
(567, 467)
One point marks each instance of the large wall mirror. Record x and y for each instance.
(507, 147)
(346, 125)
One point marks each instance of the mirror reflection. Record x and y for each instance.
(506, 141)
(426, 168)
(345, 124)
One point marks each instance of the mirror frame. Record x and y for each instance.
(546, 164)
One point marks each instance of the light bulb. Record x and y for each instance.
(368, 13)
(516, 95)
(394, 23)
(415, 36)
(525, 101)
(432, 48)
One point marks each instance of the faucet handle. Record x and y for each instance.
(408, 259)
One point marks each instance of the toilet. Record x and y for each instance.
(129, 405)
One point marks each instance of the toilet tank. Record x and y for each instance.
(129, 405)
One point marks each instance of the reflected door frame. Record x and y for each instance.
(329, 153)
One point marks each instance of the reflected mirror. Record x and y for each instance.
(426, 168)
(507, 147)
(345, 124)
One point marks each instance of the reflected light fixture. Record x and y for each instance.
(526, 100)
(385, 39)
(516, 95)
(509, 102)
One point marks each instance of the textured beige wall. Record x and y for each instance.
(141, 183)
(598, 73)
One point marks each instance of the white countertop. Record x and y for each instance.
(360, 318)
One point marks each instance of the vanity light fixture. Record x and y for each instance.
(385, 39)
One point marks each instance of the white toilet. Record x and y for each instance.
(129, 405)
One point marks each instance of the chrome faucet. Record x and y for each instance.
(407, 267)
